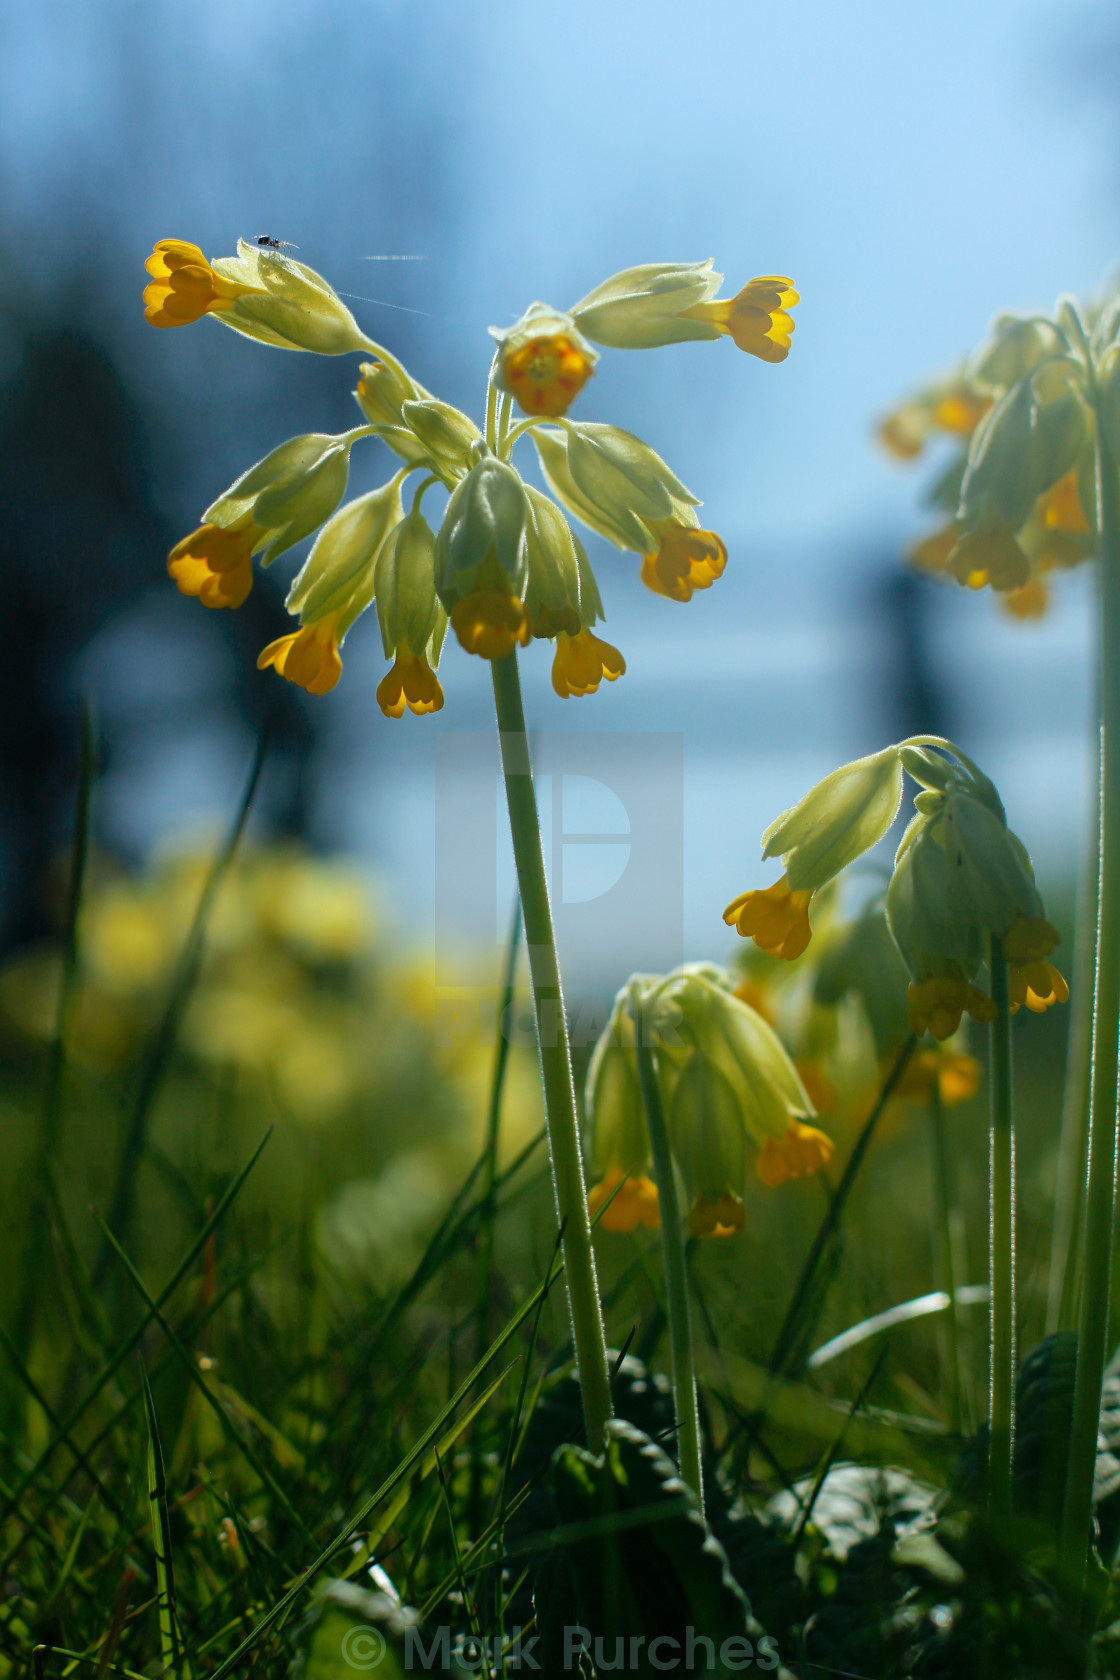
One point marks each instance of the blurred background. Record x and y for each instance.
(913, 169)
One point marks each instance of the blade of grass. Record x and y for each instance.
(114, 1363)
(45, 1204)
(190, 1366)
(171, 1653)
(122, 1204)
(830, 1456)
(792, 1330)
(284, 1604)
(49, 1413)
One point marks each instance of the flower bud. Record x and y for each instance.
(272, 506)
(553, 587)
(991, 878)
(837, 821)
(642, 308)
(404, 584)
(482, 541)
(445, 434)
(543, 361)
(1014, 349)
(261, 293)
(381, 396)
(339, 571)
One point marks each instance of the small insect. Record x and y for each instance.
(267, 243)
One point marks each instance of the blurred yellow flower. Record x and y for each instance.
(803, 1150)
(1038, 984)
(721, 1217)
(937, 1005)
(635, 1204)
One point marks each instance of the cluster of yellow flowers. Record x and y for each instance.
(504, 566)
(961, 878)
(728, 1087)
(1019, 497)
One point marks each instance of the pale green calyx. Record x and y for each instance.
(404, 584)
(838, 820)
(288, 494)
(289, 305)
(445, 433)
(1015, 347)
(640, 308)
(553, 585)
(482, 541)
(612, 481)
(991, 879)
(338, 574)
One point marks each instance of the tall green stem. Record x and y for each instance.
(1096, 1248)
(556, 1062)
(1069, 1196)
(1001, 1265)
(946, 1278)
(672, 1251)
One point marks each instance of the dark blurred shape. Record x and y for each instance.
(911, 693)
(80, 543)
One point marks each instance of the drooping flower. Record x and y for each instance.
(635, 1204)
(309, 657)
(581, 662)
(686, 559)
(802, 1150)
(184, 286)
(775, 917)
(936, 1005)
(214, 565)
(491, 623)
(411, 684)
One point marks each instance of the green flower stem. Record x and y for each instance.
(1001, 1265)
(1069, 1198)
(1096, 1248)
(944, 1201)
(672, 1251)
(556, 1062)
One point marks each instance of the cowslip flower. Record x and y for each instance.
(506, 565)
(669, 303)
(543, 361)
(412, 621)
(261, 293)
(333, 589)
(839, 819)
(1021, 494)
(727, 1085)
(267, 511)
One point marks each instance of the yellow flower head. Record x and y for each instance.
(582, 661)
(309, 657)
(722, 1217)
(954, 409)
(1038, 984)
(686, 559)
(215, 565)
(774, 917)
(490, 622)
(1060, 509)
(990, 554)
(546, 375)
(933, 552)
(184, 287)
(756, 318)
(1030, 938)
(411, 683)
(1031, 600)
(635, 1204)
(803, 1150)
(938, 1003)
(957, 1077)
